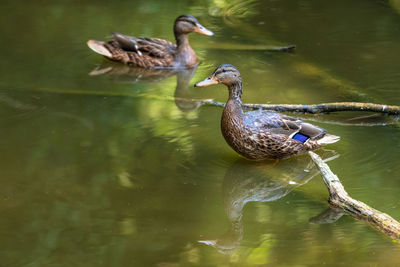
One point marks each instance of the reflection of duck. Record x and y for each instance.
(262, 134)
(247, 181)
(123, 73)
(152, 52)
(135, 75)
(182, 95)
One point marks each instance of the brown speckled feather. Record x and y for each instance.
(155, 47)
(152, 56)
(281, 124)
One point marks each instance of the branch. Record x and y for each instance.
(320, 108)
(249, 47)
(339, 198)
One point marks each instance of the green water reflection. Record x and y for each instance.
(102, 166)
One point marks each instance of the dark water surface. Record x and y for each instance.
(122, 169)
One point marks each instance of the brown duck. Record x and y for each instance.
(153, 52)
(262, 134)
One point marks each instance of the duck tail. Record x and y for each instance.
(98, 47)
(328, 139)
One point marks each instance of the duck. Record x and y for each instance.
(262, 134)
(154, 53)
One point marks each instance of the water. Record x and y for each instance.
(100, 170)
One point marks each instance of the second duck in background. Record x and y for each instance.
(262, 134)
(153, 52)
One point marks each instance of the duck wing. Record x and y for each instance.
(276, 123)
(152, 47)
(126, 42)
(156, 47)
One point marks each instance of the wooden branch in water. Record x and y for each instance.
(339, 198)
(249, 47)
(320, 108)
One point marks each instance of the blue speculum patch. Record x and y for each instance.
(300, 137)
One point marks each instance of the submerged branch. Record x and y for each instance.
(320, 108)
(250, 47)
(339, 198)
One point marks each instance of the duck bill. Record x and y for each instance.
(200, 29)
(206, 82)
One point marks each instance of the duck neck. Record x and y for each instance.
(182, 40)
(234, 104)
(235, 90)
(185, 54)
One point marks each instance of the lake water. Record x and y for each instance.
(126, 169)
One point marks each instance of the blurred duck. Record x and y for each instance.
(153, 52)
(262, 134)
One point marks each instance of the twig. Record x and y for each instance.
(320, 108)
(249, 47)
(339, 198)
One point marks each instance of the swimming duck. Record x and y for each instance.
(153, 52)
(262, 134)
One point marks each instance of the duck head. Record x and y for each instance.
(185, 24)
(226, 74)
